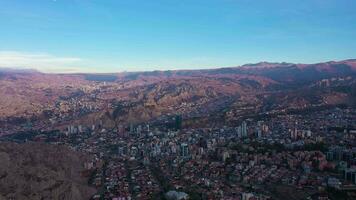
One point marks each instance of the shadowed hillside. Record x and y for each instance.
(40, 171)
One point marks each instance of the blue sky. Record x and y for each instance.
(136, 35)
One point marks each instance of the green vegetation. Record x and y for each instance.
(337, 194)
(320, 146)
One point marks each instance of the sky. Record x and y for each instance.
(141, 35)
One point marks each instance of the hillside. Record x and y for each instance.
(38, 101)
(40, 171)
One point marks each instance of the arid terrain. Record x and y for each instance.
(41, 171)
(38, 100)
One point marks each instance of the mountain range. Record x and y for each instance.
(225, 95)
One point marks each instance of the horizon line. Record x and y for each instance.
(34, 70)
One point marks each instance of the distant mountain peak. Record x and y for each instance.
(266, 64)
(18, 70)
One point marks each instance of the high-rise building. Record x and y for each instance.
(148, 128)
(132, 128)
(246, 196)
(259, 133)
(350, 175)
(244, 129)
(178, 122)
(184, 150)
(121, 130)
(80, 129)
(239, 131)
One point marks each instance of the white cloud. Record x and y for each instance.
(40, 61)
